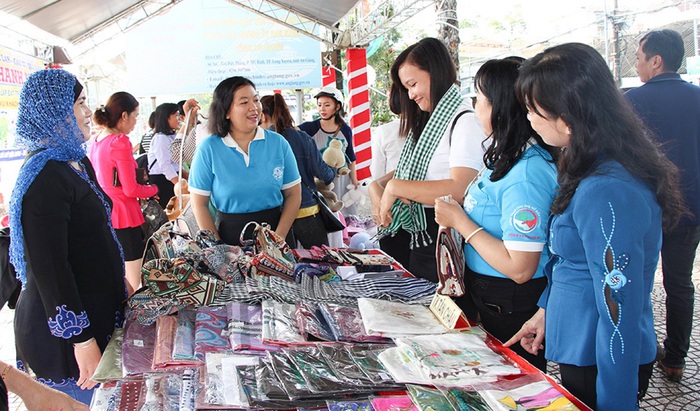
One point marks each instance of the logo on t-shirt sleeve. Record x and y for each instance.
(278, 173)
(525, 219)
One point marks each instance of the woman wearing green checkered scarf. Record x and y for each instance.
(442, 154)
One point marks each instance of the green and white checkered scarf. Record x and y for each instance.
(413, 165)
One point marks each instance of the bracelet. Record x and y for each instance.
(84, 344)
(469, 237)
(5, 371)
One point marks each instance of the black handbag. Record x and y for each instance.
(154, 215)
(330, 221)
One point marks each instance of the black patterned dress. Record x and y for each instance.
(75, 280)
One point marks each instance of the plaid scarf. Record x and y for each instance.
(413, 165)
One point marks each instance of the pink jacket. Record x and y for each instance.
(115, 151)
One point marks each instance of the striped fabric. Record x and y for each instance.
(413, 165)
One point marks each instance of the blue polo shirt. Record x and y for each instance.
(514, 208)
(244, 183)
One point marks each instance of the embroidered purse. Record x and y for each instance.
(273, 255)
(450, 262)
(176, 278)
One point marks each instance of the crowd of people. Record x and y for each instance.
(557, 181)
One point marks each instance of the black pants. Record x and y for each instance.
(677, 256)
(580, 381)
(231, 225)
(420, 261)
(504, 306)
(165, 188)
(310, 231)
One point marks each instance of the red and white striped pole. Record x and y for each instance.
(358, 108)
(328, 76)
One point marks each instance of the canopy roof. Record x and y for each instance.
(84, 24)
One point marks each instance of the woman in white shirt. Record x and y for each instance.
(442, 154)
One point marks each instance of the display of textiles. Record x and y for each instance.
(539, 395)
(391, 319)
(245, 328)
(110, 366)
(464, 399)
(131, 396)
(367, 358)
(401, 367)
(231, 385)
(318, 374)
(312, 324)
(137, 349)
(401, 289)
(210, 324)
(183, 344)
(353, 405)
(279, 323)
(166, 326)
(454, 359)
(394, 403)
(345, 323)
(287, 373)
(344, 366)
(102, 396)
(428, 399)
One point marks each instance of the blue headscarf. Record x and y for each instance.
(46, 122)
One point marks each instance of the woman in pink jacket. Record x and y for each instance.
(116, 172)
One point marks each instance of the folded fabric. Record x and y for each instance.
(454, 360)
(394, 403)
(137, 349)
(183, 345)
(210, 324)
(279, 324)
(537, 395)
(245, 327)
(165, 335)
(345, 323)
(426, 398)
(311, 323)
(388, 318)
(110, 366)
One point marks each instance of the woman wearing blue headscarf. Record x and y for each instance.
(62, 244)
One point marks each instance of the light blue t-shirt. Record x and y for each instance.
(244, 183)
(514, 208)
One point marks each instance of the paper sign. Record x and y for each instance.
(449, 314)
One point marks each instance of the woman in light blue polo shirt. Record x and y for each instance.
(506, 210)
(248, 173)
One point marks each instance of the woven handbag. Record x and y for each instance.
(272, 254)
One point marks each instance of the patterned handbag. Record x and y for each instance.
(273, 255)
(176, 278)
(450, 262)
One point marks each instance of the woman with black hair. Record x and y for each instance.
(442, 154)
(616, 191)
(506, 210)
(248, 173)
(162, 170)
(116, 172)
(63, 246)
(331, 126)
(308, 225)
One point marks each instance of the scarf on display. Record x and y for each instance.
(413, 165)
(47, 128)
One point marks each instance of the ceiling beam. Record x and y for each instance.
(290, 18)
(388, 15)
